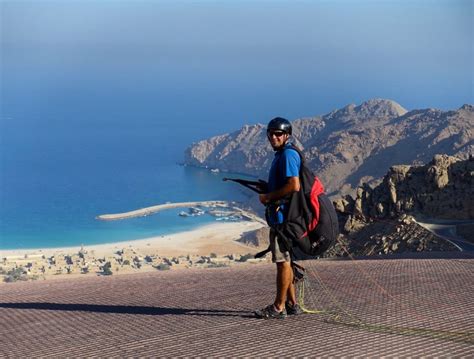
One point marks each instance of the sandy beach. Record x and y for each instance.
(210, 245)
(219, 238)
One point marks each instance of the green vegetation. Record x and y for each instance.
(107, 269)
(217, 265)
(17, 274)
(163, 266)
(245, 257)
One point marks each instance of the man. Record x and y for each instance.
(283, 180)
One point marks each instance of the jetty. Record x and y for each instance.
(160, 207)
(154, 209)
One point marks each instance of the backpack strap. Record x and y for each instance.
(262, 253)
(298, 272)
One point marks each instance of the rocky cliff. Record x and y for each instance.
(348, 146)
(443, 188)
(380, 220)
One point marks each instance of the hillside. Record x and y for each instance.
(348, 146)
(381, 220)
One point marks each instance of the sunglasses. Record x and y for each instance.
(275, 133)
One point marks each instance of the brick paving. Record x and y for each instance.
(392, 308)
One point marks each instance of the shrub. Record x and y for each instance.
(245, 257)
(217, 265)
(163, 266)
(107, 269)
(15, 274)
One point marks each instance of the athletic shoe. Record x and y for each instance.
(293, 309)
(270, 312)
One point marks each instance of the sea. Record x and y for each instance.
(57, 179)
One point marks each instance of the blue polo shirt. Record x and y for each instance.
(286, 164)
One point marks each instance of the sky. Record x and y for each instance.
(229, 62)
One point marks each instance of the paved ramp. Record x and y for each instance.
(409, 307)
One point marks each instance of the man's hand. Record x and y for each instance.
(264, 199)
(292, 185)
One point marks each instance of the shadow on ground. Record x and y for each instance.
(125, 309)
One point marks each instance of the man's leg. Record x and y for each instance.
(284, 282)
(285, 287)
(291, 294)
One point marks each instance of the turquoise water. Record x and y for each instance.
(52, 208)
(56, 177)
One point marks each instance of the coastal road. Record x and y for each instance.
(446, 229)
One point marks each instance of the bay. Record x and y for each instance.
(56, 181)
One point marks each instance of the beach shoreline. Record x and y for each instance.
(142, 212)
(213, 244)
(166, 242)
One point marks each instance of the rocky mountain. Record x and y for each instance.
(443, 188)
(348, 146)
(381, 219)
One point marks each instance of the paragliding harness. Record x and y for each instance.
(310, 226)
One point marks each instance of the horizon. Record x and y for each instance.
(244, 62)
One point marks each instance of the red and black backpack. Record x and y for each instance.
(311, 223)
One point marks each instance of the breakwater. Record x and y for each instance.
(153, 209)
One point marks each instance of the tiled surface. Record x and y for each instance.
(407, 307)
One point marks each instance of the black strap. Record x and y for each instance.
(262, 253)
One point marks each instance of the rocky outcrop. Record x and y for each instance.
(258, 238)
(349, 146)
(444, 188)
(244, 151)
(380, 220)
(369, 237)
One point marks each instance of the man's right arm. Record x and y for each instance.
(292, 185)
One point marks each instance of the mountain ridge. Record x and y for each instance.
(347, 146)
